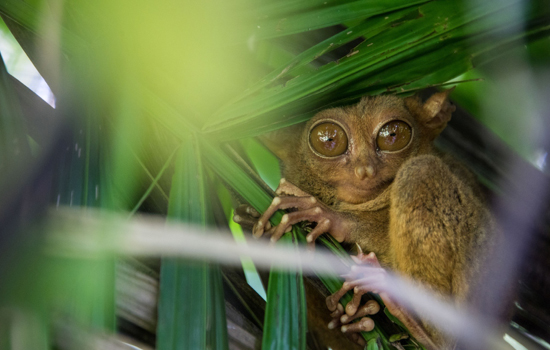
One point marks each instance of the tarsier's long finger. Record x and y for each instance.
(336, 314)
(276, 234)
(366, 324)
(351, 307)
(289, 189)
(334, 300)
(247, 210)
(371, 283)
(290, 219)
(270, 231)
(244, 221)
(322, 227)
(371, 307)
(282, 203)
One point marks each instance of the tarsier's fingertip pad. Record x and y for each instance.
(253, 212)
(332, 324)
(350, 309)
(331, 305)
(371, 307)
(367, 324)
(257, 231)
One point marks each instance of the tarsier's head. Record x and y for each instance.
(352, 154)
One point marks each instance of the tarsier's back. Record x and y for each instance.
(382, 185)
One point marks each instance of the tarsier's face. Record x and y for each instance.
(359, 149)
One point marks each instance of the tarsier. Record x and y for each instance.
(368, 174)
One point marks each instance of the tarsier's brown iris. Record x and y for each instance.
(328, 139)
(393, 136)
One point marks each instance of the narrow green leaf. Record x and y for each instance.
(329, 15)
(373, 344)
(285, 322)
(216, 311)
(191, 307)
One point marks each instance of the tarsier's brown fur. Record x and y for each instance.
(418, 210)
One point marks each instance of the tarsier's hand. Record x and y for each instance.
(308, 208)
(373, 282)
(246, 216)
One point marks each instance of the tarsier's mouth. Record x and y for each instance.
(354, 194)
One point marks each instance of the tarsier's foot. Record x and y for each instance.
(368, 276)
(308, 208)
(372, 282)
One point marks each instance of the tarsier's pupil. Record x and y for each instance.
(328, 139)
(394, 136)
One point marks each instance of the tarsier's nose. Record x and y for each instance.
(363, 171)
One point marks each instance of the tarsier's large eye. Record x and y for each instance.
(328, 139)
(393, 136)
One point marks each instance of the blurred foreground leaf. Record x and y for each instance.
(191, 307)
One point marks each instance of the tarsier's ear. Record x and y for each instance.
(437, 111)
(283, 142)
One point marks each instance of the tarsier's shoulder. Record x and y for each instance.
(434, 173)
(440, 196)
